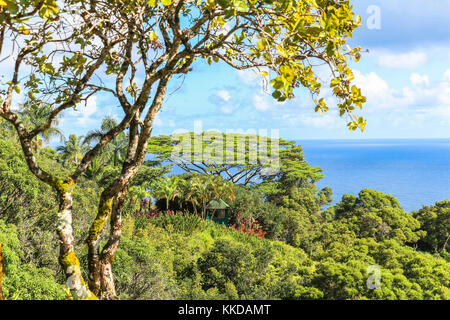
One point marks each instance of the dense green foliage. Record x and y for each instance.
(65, 53)
(307, 251)
(25, 280)
(435, 221)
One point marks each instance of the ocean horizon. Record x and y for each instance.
(415, 171)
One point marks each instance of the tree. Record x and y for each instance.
(72, 152)
(70, 45)
(200, 189)
(34, 115)
(117, 147)
(435, 221)
(177, 192)
(25, 280)
(1, 272)
(167, 189)
(294, 178)
(377, 215)
(240, 158)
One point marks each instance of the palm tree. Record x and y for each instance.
(97, 167)
(168, 188)
(72, 151)
(117, 147)
(222, 189)
(201, 189)
(190, 192)
(199, 192)
(36, 114)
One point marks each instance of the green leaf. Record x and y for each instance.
(330, 49)
(260, 45)
(335, 82)
(276, 94)
(11, 6)
(281, 51)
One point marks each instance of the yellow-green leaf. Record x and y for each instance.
(152, 36)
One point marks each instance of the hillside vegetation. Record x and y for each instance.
(284, 241)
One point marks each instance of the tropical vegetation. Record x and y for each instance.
(283, 240)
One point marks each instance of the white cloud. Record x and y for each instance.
(374, 88)
(444, 93)
(447, 75)
(157, 122)
(84, 111)
(409, 60)
(320, 121)
(224, 95)
(440, 112)
(248, 76)
(417, 79)
(227, 109)
(420, 101)
(260, 103)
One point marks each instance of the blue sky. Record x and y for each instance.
(405, 76)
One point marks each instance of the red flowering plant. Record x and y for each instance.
(248, 225)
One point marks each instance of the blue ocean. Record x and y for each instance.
(416, 172)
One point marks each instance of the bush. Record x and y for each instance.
(24, 281)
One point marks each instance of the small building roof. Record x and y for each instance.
(217, 204)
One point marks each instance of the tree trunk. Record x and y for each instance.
(93, 242)
(445, 243)
(101, 280)
(108, 291)
(67, 258)
(2, 271)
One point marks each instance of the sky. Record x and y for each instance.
(405, 76)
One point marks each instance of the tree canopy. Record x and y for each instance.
(238, 157)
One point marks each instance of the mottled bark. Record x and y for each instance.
(101, 281)
(2, 271)
(93, 242)
(67, 257)
(108, 291)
